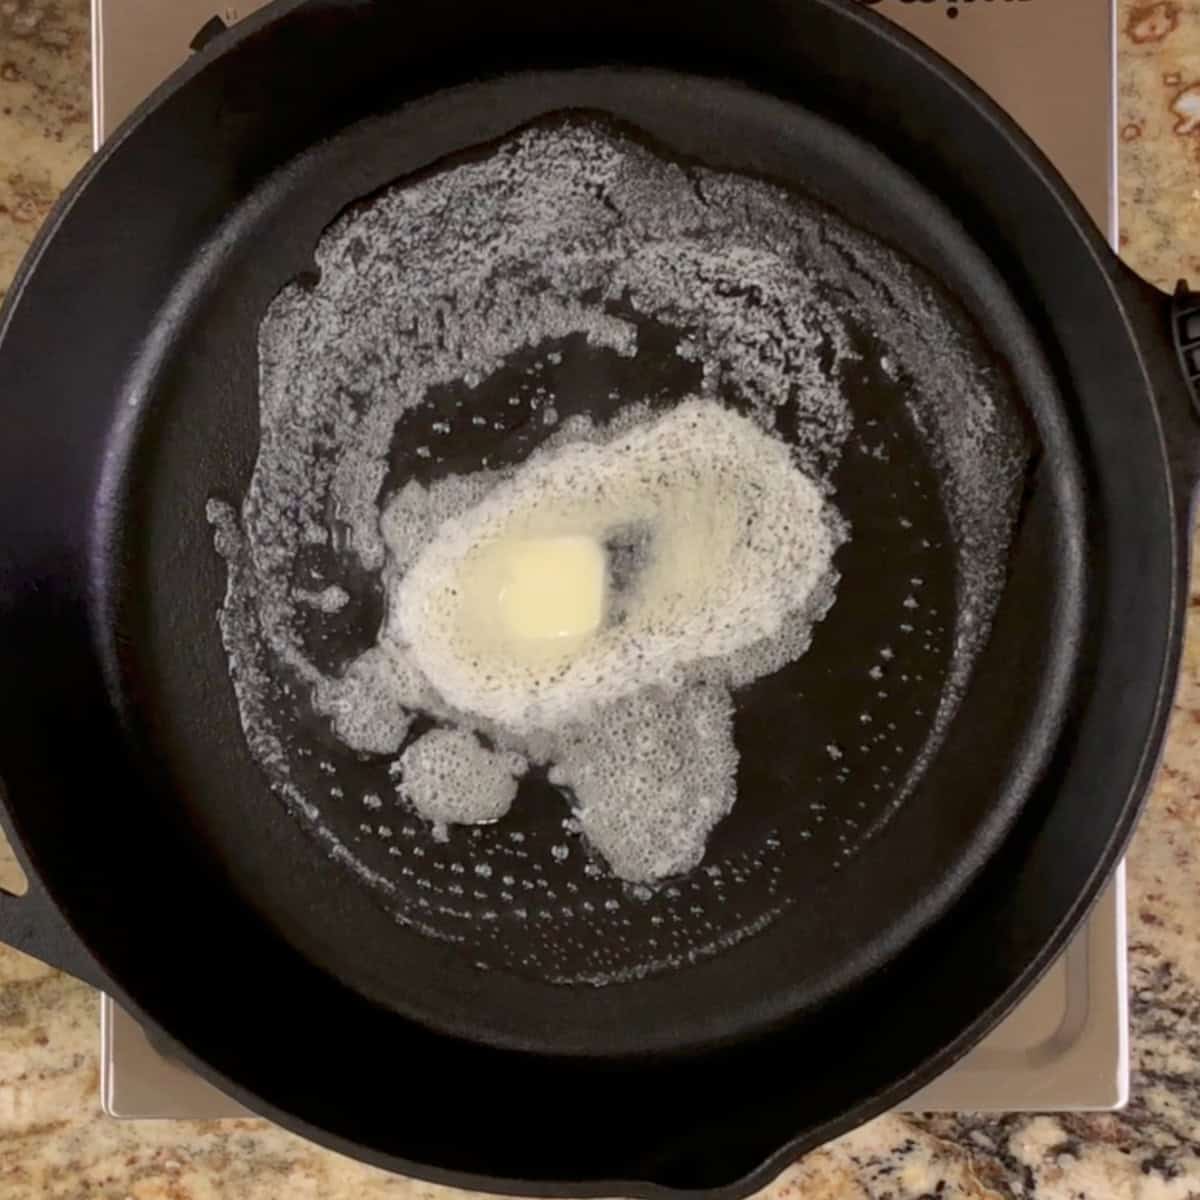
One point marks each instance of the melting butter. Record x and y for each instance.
(539, 589)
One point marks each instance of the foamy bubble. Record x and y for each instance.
(451, 778)
(327, 600)
(652, 775)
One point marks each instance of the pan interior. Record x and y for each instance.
(857, 822)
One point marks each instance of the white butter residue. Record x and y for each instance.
(567, 236)
(732, 535)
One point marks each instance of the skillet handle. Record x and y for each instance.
(1166, 329)
(1185, 330)
(33, 924)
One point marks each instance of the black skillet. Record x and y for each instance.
(163, 870)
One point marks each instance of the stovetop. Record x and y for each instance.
(1051, 64)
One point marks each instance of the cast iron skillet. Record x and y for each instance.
(162, 869)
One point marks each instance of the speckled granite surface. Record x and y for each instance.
(56, 1145)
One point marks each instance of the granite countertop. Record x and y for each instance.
(56, 1144)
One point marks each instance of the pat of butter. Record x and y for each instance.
(550, 587)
